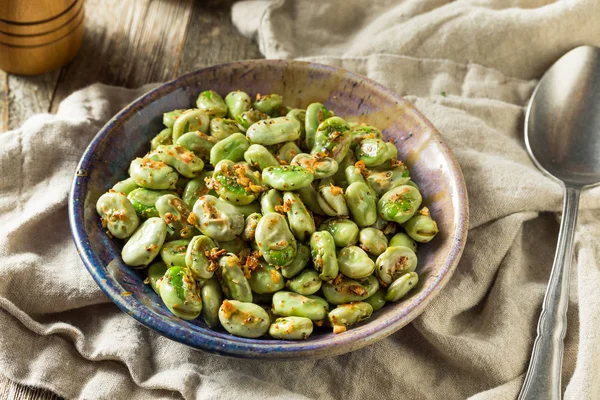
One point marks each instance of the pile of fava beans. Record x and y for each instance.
(266, 219)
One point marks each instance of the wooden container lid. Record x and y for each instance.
(44, 27)
(33, 11)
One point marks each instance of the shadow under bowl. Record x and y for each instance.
(351, 96)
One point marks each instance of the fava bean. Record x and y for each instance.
(217, 218)
(152, 174)
(332, 139)
(176, 214)
(373, 241)
(349, 314)
(372, 152)
(249, 118)
(270, 104)
(399, 204)
(244, 319)
(180, 158)
(199, 143)
(260, 157)
(308, 194)
(401, 286)
(307, 282)
(164, 137)
(274, 239)
(237, 102)
(287, 177)
(274, 130)
(319, 167)
(220, 128)
(233, 281)
(345, 290)
(315, 114)
(343, 230)
(291, 328)
(236, 183)
(300, 221)
(173, 252)
(421, 227)
(212, 104)
(299, 262)
(355, 263)
(377, 300)
(270, 201)
(211, 302)
(323, 255)
(266, 278)
(125, 186)
(362, 204)
(249, 231)
(180, 293)
(361, 132)
(287, 152)
(196, 188)
(332, 201)
(117, 214)
(289, 304)
(402, 239)
(195, 257)
(231, 148)
(395, 262)
(156, 271)
(189, 121)
(384, 181)
(145, 243)
(144, 201)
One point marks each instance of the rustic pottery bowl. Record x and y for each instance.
(352, 96)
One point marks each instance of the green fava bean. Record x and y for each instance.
(320, 167)
(353, 174)
(212, 104)
(299, 262)
(144, 201)
(332, 201)
(173, 252)
(395, 262)
(287, 177)
(184, 161)
(170, 117)
(362, 204)
(355, 263)
(315, 114)
(265, 279)
(164, 137)
(196, 188)
(323, 255)
(217, 218)
(332, 139)
(340, 175)
(290, 304)
(237, 102)
(231, 148)
(301, 222)
(190, 121)
(152, 174)
(195, 257)
(392, 151)
(308, 194)
(211, 302)
(402, 239)
(117, 214)
(399, 204)
(270, 201)
(343, 230)
(421, 227)
(235, 246)
(274, 130)
(361, 132)
(220, 128)
(234, 282)
(250, 227)
(299, 115)
(270, 104)
(373, 241)
(180, 293)
(401, 286)
(248, 118)
(199, 143)
(287, 152)
(176, 214)
(307, 282)
(248, 208)
(156, 271)
(244, 319)
(372, 152)
(349, 314)
(384, 181)
(291, 328)
(125, 186)
(377, 300)
(260, 157)
(145, 243)
(275, 241)
(345, 290)
(236, 183)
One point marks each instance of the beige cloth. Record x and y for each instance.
(469, 66)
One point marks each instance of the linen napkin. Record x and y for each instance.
(470, 67)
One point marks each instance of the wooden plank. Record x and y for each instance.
(28, 95)
(127, 43)
(4, 101)
(212, 38)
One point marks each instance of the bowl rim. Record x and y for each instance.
(351, 340)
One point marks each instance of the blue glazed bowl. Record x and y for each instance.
(352, 96)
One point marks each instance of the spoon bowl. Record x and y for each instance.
(562, 124)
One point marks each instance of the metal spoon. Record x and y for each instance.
(562, 134)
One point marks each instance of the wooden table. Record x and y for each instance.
(127, 43)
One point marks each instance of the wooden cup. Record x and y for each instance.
(29, 46)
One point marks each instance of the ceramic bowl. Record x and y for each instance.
(350, 95)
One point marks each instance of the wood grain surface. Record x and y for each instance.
(126, 43)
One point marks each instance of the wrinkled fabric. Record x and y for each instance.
(468, 66)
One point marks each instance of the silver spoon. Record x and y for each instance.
(562, 134)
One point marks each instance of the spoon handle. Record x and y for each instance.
(544, 373)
